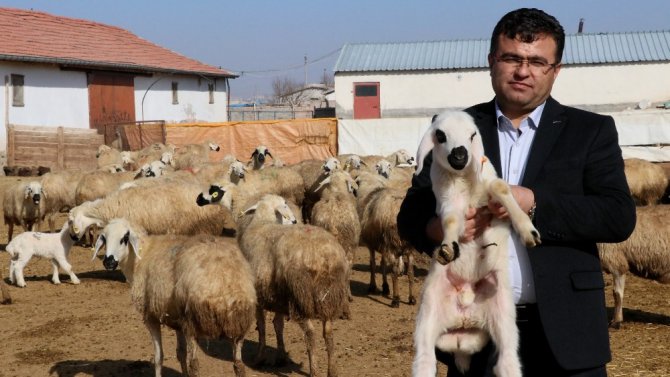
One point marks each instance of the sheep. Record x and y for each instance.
(107, 156)
(191, 155)
(313, 172)
(300, 272)
(401, 156)
(24, 205)
(135, 159)
(159, 209)
(202, 287)
(647, 181)
(336, 212)
(52, 246)
(646, 253)
(467, 297)
(257, 159)
(61, 187)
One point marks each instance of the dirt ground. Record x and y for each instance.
(91, 329)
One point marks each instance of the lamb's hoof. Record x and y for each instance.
(395, 303)
(75, 282)
(446, 255)
(615, 325)
(412, 300)
(385, 289)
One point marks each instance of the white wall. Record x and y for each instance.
(193, 96)
(423, 93)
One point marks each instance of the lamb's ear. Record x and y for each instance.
(432, 120)
(134, 241)
(99, 243)
(425, 146)
(251, 209)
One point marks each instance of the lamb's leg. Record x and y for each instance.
(67, 267)
(238, 364)
(330, 347)
(154, 328)
(502, 193)
(449, 249)
(308, 329)
(372, 288)
(282, 355)
(54, 277)
(504, 332)
(618, 290)
(260, 325)
(426, 331)
(12, 271)
(19, 264)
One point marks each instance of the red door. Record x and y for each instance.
(366, 100)
(111, 99)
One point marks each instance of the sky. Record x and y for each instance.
(267, 40)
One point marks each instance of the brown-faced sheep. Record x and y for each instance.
(647, 181)
(300, 272)
(202, 287)
(646, 253)
(23, 204)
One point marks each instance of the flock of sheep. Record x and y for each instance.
(166, 217)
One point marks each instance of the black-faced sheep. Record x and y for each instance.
(23, 204)
(300, 272)
(646, 253)
(647, 181)
(257, 160)
(201, 286)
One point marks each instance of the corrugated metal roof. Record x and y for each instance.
(628, 47)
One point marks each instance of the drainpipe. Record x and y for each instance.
(227, 97)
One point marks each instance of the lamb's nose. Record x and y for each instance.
(458, 158)
(110, 263)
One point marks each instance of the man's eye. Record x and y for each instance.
(537, 63)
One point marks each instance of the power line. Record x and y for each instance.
(258, 73)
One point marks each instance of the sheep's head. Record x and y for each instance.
(402, 157)
(80, 219)
(332, 164)
(237, 171)
(272, 207)
(167, 158)
(102, 149)
(341, 180)
(117, 237)
(217, 194)
(214, 146)
(455, 142)
(383, 168)
(33, 191)
(259, 154)
(152, 169)
(353, 162)
(127, 158)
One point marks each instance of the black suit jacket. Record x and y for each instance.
(575, 169)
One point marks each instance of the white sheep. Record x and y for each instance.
(457, 313)
(300, 272)
(646, 253)
(399, 157)
(258, 157)
(61, 187)
(107, 156)
(200, 286)
(647, 181)
(23, 205)
(52, 246)
(192, 155)
(98, 184)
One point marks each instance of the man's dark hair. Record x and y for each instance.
(527, 24)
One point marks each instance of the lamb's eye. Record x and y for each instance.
(440, 136)
(472, 137)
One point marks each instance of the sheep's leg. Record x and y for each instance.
(51, 221)
(410, 277)
(330, 347)
(450, 249)
(6, 298)
(384, 264)
(10, 231)
(618, 291)
(396, 271)
(67, 267)
(238, 364)
(372, 288)
(282, 355)
(181, 351)
(192, 356)
(308, 329)
(427, 329)
(154, 328)
(260, 325)
(54, 277)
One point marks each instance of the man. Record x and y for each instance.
(566, 170)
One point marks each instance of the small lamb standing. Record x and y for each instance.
(53, 246)
(467, 298)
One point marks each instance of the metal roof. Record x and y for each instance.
(602, 48)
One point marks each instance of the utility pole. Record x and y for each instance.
(305, 84)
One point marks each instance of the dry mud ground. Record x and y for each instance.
(91, 329)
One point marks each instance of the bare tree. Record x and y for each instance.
(327, 79)
(287, 91)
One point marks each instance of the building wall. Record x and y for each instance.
(423, 93)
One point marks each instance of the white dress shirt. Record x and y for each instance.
(514, 146)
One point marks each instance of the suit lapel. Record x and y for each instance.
(551, 125)
(485, 119)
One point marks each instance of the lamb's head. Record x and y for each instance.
(152, 169)
(81, 217)
(353, 162)
(217, 194)
(272, 208)
(383, 168)
(402, 157)
(455, 141)
(34, 192)
(259, 155)
(117, 237)
(332, 164)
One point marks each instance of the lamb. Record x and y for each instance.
(52, 246)
(647, 181)
(61, 187)
(158, 209)
(24, 205)
(646, 253)
(467, 296)
(202, 287)
(300, 272)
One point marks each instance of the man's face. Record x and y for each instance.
(522, 74)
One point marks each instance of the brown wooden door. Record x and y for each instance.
(111, 99)
(366, 100)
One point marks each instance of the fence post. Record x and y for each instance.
(11, 149)
(61, 148)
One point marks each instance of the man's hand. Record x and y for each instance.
(524, 196)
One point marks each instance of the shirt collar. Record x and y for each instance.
(534, 117)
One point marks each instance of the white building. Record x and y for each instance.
(68, 72)
(601, 72)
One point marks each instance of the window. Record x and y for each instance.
(17, 90)
(366, 90)
(175, 96)
(210, 87)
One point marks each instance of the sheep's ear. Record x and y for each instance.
(99, 243)
(134, 241)
(363, 163)
(251, 209)
(255, 153)
(425, 146)
(26, 192)
(324, 182)
(44, 193)
(267, 153)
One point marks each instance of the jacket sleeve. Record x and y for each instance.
(601, 209)
(417, 209)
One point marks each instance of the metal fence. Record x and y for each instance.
(246, 114)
